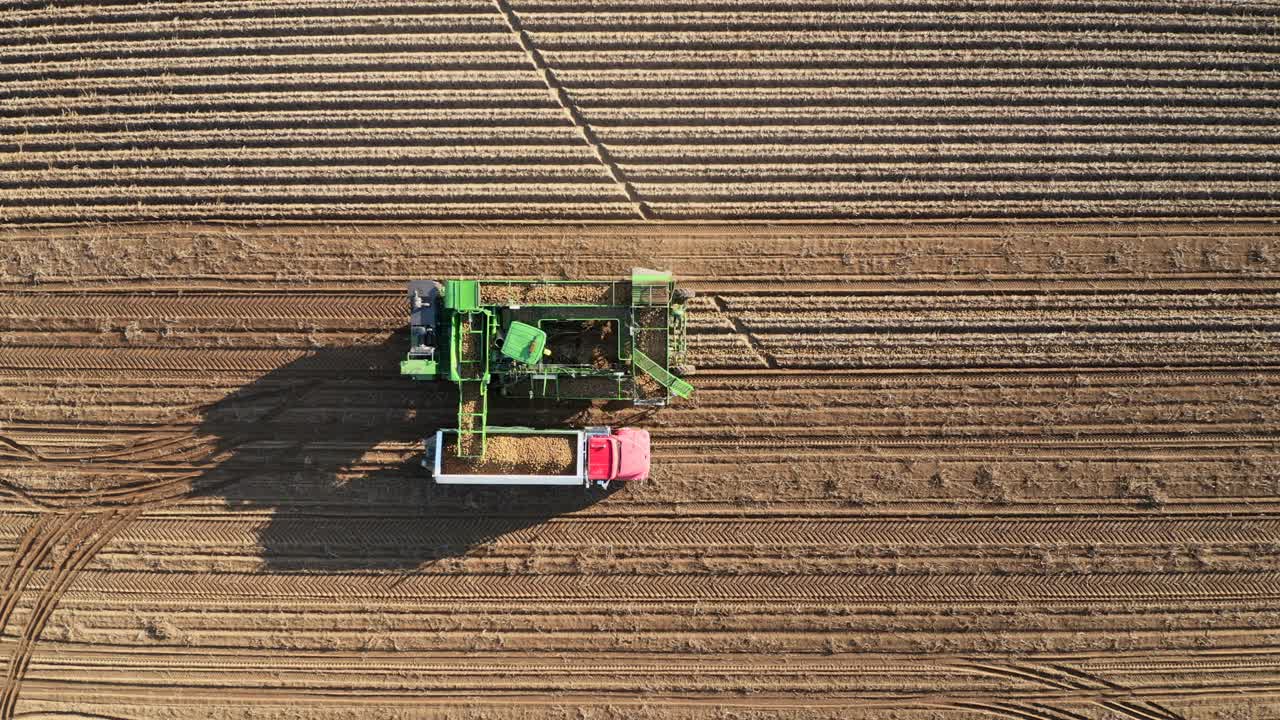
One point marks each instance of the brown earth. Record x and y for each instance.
(562, 109)
(930, 471)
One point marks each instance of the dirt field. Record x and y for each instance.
(963, 471)
(543, 109)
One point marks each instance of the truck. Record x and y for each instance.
(614, 340)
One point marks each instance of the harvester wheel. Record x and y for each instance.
(685, 370)
(682, 295)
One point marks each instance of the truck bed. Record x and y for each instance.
(547, 457)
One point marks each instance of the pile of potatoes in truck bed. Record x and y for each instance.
(517, 455)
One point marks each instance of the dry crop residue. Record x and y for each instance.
(1021, 471)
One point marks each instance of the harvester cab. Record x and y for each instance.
(618, 340)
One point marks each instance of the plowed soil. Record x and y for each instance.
(966, 471)
(636, 109)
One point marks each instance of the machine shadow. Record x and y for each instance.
(323, 452)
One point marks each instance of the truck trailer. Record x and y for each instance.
(594, 456)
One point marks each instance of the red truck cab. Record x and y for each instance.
(624, 455)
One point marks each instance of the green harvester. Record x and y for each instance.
(620, 340)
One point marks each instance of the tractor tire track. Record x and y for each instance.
(80, 537)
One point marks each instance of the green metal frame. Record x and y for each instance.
(462, 295)
(651, 290)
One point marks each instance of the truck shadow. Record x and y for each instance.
(324, 451)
